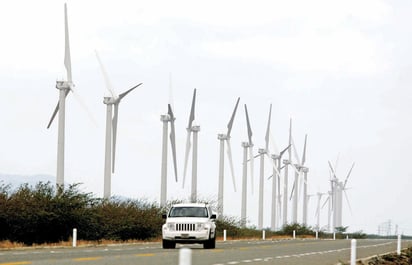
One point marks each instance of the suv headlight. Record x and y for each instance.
(202, 226)
(171, 226)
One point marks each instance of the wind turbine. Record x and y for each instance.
(339, 189)
(247, 146)
(222, 138)
(276, 182)
(64, 88)
(299, 168)
(111, 128)
(287, 162)
(262, 153)
(317, 214)
(195, 130)
(166, 119)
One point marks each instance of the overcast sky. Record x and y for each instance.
(340, 69)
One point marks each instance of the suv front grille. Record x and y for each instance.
(185, 227)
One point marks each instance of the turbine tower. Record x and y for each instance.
(166, 119)
(64, 88)
(222, 138)
(246, 146)
(195, 130)
(276, 195)
(299, 168)
(317, 214)
(338, 188)
(262, 153)
(287, 162)
(111, 128)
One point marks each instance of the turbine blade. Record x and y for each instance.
(56, 110)
(114, 135)
(251, 167)
(53, 115)
(268, 129)
(284, 150)
(331, 168)
(107, 82)
(290, 140)
(295, 152)
(67, 58)
(230, 124)
(173, 138)
(304, 150)
(232, 171)
(83, 105)
(273, 143)
(325, 202)
(249, 129)
(337, 162)
(347, 200)
(192, 111)
(128, 91)
(188, 145)
(170, 91)
(293, 190)
(278, 179)
(347, 177)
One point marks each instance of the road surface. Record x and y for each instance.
(308, 252)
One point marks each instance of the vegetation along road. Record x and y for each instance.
(230, 252)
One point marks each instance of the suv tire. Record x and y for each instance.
(168, 244)
(210, 244)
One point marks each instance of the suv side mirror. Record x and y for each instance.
(213, 216)
(164, 216)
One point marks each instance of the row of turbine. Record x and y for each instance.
(278, 209)
(248, 158)
(112, 101)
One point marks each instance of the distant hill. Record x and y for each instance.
(17, 180)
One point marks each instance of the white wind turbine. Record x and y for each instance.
(195, 130)
(111, 128)
(166, 119)
(64, 88)
(276, 195)
(317, 214)
(246, 146)
(287, 162)
(338, 188)
(222, 138)
(299, 168)
(262, 153)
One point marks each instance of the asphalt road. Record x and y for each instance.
(308, 252)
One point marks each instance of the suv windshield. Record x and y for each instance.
(188, 212)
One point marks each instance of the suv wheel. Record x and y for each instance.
(168, 244)
(210, 244)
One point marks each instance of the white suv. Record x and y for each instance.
(188, 223)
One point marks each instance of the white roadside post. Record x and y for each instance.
(353, 252)
(224, 235)
(398, 250)
(185, 256)
(317, 235)
(334, 236)
(74, 243)
(294, 234)
(263, 234)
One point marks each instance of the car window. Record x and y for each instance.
(188, 212)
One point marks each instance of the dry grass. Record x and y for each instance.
(12, 245)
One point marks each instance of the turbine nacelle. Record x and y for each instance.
(110, 100)
(222, 136)
(64, 84)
